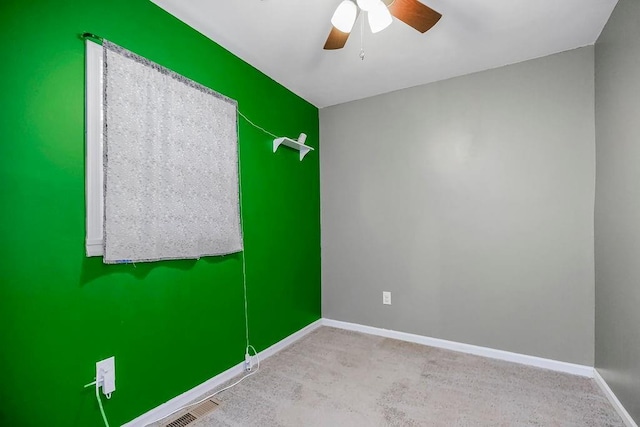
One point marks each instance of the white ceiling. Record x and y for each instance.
(284, 39)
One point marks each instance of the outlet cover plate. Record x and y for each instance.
(386, 298)
(106, 374)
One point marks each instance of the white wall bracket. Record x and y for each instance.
(296, 145)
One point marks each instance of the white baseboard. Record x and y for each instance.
(628, 421)
(178, 402)
(554, 365)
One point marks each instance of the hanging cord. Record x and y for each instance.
(244, 287)
(255, 354)
(244, 257)
(249, 348)
(255, 126)
(362, 37)
(104, 416)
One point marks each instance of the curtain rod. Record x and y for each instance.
(85, 36)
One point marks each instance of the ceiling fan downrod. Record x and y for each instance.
(362, 40)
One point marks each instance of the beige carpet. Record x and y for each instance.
(334, 377)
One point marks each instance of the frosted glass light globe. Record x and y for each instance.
(345, 16)
(379, 17)
(367, 5)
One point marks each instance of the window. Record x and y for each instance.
(94, 142)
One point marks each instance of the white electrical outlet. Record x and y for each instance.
(106, 375)
(386, 298)
(248, 365)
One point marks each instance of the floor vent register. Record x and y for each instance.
(198, 411)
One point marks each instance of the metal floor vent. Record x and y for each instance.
(198, 411)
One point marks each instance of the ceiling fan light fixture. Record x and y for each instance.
(379, 17)
(345, 16)
(367, 5)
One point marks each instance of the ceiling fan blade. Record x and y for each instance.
(415, 14)
(336, 39)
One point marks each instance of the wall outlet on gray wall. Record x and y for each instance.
(386, 298)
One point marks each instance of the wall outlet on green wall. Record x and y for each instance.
(106, 375)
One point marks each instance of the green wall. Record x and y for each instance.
(170, 325)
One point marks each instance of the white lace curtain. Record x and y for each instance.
(170, 164)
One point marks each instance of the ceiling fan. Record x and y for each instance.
(411, 12)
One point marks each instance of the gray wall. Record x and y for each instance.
(617, 219)
(471, 200)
